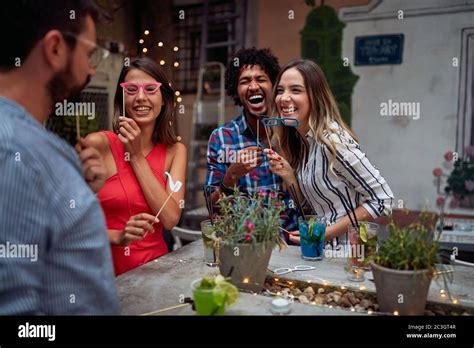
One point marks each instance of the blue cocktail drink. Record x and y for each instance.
(312, 234)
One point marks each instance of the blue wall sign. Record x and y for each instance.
(379, 49)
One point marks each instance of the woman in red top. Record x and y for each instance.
(137, 154)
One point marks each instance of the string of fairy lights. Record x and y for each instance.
(444, 295)
(162, 61)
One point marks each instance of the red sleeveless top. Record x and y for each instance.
(122, 197)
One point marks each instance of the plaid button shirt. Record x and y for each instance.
(224, 144)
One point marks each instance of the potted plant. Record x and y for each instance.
(405, 265)
(247, 229)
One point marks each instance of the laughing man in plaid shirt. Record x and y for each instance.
(233, 156)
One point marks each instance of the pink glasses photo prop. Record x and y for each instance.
(132, 88)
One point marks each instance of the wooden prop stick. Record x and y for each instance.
(123, 102)
(175, 187)
(258, 131)
(258, 117)
(78, 127)
(268, 138)
(159, 212)
(166, 309)
(162, 207)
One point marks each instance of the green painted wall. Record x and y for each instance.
(321, 41)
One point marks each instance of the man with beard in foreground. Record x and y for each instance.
(54, 251)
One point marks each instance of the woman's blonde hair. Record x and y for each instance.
(323, 111)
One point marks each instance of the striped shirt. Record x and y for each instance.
(326, 193)
(49, 213)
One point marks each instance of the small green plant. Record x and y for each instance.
(252, 219)
(414, 248)
(409, 248)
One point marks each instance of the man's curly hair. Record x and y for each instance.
(249, 56)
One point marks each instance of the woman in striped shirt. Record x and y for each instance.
(322, 156)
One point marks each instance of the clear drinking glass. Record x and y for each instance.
(208, 238)
(362, 244)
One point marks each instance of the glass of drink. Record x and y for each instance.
(312, 232)
(208, 301)
(362, 244)
(208, 238)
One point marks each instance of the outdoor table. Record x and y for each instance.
(165, 282)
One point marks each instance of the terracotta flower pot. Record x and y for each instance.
(249, 264)
(402, 291)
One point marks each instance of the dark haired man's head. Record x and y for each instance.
(25, 22)
(49, 43)
(249, 78)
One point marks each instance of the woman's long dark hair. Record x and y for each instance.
(163, 131)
